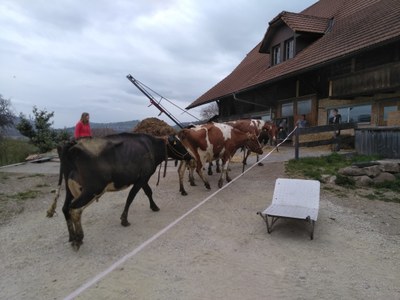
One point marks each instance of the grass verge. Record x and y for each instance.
(317, 167)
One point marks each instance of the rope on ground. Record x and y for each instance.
(277, 146)
(135, 251)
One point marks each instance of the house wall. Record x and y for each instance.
(318, 84)
(377, 103)
(282, 35)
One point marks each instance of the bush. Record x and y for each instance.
(345, 181)
(39, 130)
(15, 151)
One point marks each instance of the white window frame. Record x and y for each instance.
(289, 111)
(289, 49)
(276, 54)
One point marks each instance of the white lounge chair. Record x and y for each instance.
(295, 199)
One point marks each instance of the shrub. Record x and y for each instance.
(345, 181)
(15, 151)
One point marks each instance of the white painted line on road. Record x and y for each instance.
(135, 251)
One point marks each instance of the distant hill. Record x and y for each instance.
(118, 127)
(127, 126)
(12, 132)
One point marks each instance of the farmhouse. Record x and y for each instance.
(335, 54)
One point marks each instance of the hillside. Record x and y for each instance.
(127, 126)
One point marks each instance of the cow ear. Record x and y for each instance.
(182, 134)
(110, 145)
(116, 143)
(172, 140)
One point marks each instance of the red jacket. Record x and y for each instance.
(82, 130)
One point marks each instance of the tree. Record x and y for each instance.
(39, 130)
(6, 114)
(209, 111)
(63, 135)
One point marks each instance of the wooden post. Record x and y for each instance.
(296, 144)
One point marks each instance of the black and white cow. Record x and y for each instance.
(91, 167)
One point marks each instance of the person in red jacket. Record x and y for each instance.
(82, 128)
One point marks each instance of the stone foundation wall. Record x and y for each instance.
(369, 173)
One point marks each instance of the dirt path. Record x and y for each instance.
(221, 250)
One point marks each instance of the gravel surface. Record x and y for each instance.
(207, 245)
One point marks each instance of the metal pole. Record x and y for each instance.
(152, 100)
(296, 147)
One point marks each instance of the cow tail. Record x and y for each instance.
(159, 171)
(52, 208)
(166, 160)
(165, 166)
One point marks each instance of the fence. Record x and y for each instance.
(383, 141)
(320, 129)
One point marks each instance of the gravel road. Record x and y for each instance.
(207, 245)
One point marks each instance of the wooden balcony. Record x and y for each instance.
(385, 78)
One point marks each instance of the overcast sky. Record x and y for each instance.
(71, 56)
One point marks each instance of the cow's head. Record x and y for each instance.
(63, 147)
(272, 130)
(176, 149)
(263, 137)
(253, 144)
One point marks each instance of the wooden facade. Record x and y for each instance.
(342, 55)
(358, 80)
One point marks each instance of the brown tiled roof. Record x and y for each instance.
(307, 23)
(296, 22)
(358, 24)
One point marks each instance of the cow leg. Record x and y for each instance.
(149, 193)
(75, 211)
(76, 220)
(260, 163)
(132, 193)
(199, 170)
(67, 215)
(191, 166)
(210, 165)
(191, 176)
(181, 174)
(246, 154)
(224, 173)
(217, 168)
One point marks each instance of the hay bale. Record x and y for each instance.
(312, 137)
(393, 118)
(155, 127)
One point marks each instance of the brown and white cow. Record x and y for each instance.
(216, 140)
(264, 130)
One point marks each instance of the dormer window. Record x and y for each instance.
(289, 49)
(306, 28)
(276, 54)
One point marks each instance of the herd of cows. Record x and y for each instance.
(91, 167)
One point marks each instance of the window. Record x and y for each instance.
(387, 110)
(287, 109)
(289, 49)
(357, 114)
(304, 107)
(276, 55)
(266, 117)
